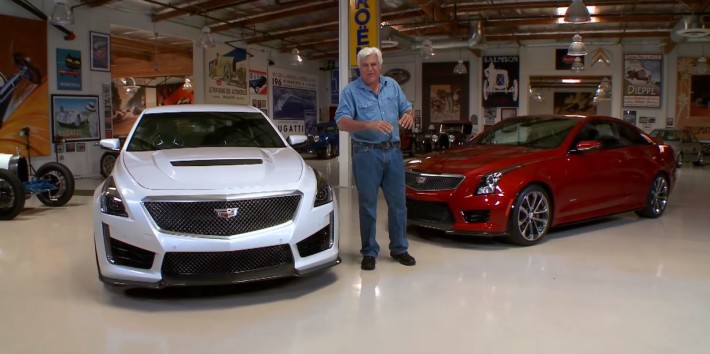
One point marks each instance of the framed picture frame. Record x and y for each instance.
(508, 113)
(100, 49)
(75, 117)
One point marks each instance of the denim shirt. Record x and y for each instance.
(359, 102)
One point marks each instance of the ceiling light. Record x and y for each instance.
(577, 13)
(206, 40)
(577, 48)
(296, 58)
(571, 81)
(61, 15)
(427, 51)
(577, 65)
(460, 68)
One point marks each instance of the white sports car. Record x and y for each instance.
(211, 194)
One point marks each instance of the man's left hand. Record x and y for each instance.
(407, 120)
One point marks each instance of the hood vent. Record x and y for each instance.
(221, 162)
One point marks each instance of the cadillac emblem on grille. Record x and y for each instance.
(421, 179)
(227, 213)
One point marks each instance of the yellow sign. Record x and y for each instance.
(364, 26)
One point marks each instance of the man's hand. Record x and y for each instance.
(381, 126)
(407, 120)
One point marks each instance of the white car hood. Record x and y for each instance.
(214, 168)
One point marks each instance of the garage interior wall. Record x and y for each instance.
(99, 19)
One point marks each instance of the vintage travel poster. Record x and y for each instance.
(294, 101)
(226, 75)
(500, 81)
(642, 80)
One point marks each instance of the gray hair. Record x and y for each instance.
(366, 52)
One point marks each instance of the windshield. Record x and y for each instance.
(174, 130)
(541, 133)
(666, 135)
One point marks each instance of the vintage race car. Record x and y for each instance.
(52, 183)
(211, 194)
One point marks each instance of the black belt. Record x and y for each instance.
(382, 145)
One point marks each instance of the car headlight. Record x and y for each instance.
(324, 193)
(111, 200)
(434, 138)
(452, 138)
(489, 183)
(316, 138)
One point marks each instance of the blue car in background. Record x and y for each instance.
(322, 141)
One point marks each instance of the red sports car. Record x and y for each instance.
(527, 174)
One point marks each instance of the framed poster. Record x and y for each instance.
(75, 117)
(630, 117)
(508, 112)
(577, 103)
(642, 80)
(500, 81)
(68, 69)
(100, 47)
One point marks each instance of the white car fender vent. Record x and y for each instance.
(221, 162)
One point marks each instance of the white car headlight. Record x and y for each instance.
(324, 192)
(489, 183)
(452, 138)
(111, 200)
(434, 138)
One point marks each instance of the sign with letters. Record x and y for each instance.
(364, 26)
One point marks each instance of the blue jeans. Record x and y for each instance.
(375, 168)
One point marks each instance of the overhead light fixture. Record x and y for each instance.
(577, 48)
(206, 40)
(129, 84)
(187, 85)
(571, 81)
(427, 51)
(61, 15)
(296, 58)
(460, 68)
(577, 65)
(603, 91)
(577, 12)
(534, 94)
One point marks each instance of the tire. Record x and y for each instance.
(698, 159)
(656, 198)
(326, 154)
(108, 159)
(12, 195)
(531, 217)
(334, 150)
(61, 177)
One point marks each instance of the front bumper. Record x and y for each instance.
(136, 253)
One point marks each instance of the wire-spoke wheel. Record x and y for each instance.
(531, 217)
(656, 199)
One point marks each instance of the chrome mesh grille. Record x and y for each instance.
(428, 182)
(222, 263)
(201, 217)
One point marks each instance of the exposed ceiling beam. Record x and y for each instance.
(198, 8)
(284, 11)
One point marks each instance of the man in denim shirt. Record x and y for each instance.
(372, 108)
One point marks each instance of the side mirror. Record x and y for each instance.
(113, 144)
(588, 145)
(296, 139)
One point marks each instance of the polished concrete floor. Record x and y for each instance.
(619, 285)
